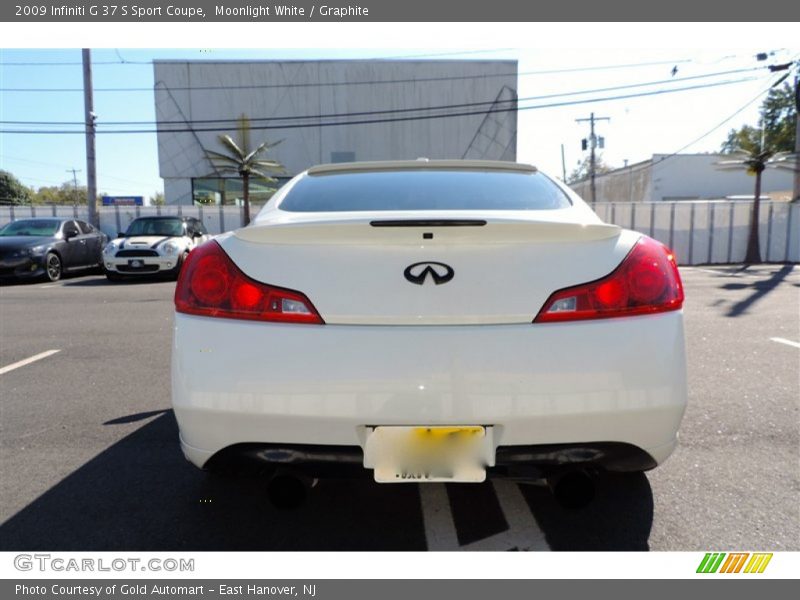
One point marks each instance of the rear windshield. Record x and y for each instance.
(424, 190)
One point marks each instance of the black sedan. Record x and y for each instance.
(49, 247)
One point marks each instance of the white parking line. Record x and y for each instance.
(523, 532)
(787, 342)
(724, 273)
(440, 529)
(712, 271)
(27, 361)
(50, 285)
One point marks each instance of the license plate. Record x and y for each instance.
(136, 264)
(428, 454)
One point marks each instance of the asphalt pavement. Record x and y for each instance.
(89, 458)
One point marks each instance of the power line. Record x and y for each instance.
(434, 55)
(74, 63)
(718, 125)
(122, 61)
(61, 183)
(415, 80)
(50, 164)
(648, 163)
(395, 119)
(398, 110)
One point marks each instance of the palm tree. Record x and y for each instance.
(755, 160)
(244, 161)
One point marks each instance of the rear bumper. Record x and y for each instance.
(517, 462)
(576, 385)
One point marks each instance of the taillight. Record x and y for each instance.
(211, 285)
(646, 282)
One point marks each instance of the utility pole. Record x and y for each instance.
(796, 194)
(74, 172)
(563, 165)
(91, 167)
(592, 143)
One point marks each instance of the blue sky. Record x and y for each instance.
(639, 127)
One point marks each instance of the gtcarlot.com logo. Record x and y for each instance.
(734, 562)
(47, 562)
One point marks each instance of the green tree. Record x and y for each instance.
(776, 123)
(64, 194)
(581, 172)
(769, 144)
(12, 190)
(242, 159)
(755, 160)
(157, 199)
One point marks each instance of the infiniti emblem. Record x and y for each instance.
(419, 272)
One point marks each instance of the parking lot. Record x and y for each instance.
(90, 459)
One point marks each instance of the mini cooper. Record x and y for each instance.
(153, 246)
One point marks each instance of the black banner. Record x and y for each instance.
(398, 11)
(397, 589)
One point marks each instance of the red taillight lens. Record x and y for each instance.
(213, 286)
(646, 282)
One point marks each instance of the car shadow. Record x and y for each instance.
(103, 282)
(760, 288)
(22, 282)
(619, 518)
(141, 495)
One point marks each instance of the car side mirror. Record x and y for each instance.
(70, 233)
(120, 234)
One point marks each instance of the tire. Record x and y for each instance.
(113, 276)
(99, 269)
(52, 266)
(176, 272)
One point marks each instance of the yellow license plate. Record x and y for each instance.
(427, 453)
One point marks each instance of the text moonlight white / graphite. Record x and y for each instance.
(257, 11)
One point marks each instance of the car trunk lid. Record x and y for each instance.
(394, 269)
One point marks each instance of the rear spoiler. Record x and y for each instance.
(413, 231)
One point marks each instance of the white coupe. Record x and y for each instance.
(430, 321)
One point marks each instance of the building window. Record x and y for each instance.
(228, 190)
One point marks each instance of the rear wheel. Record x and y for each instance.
(52, 266)
(176, 272)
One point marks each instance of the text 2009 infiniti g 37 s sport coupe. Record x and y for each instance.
(430, 321)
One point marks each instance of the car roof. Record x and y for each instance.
(47, 219)
(421, 164)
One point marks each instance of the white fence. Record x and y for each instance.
(712, 231)
(700, 232)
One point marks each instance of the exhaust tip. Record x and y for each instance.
(287, 491)
(573, 490)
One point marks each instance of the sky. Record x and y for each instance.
(638, 127)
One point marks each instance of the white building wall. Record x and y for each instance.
(312, 88)
(178, 190)
(695, 176)
(680, 177)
